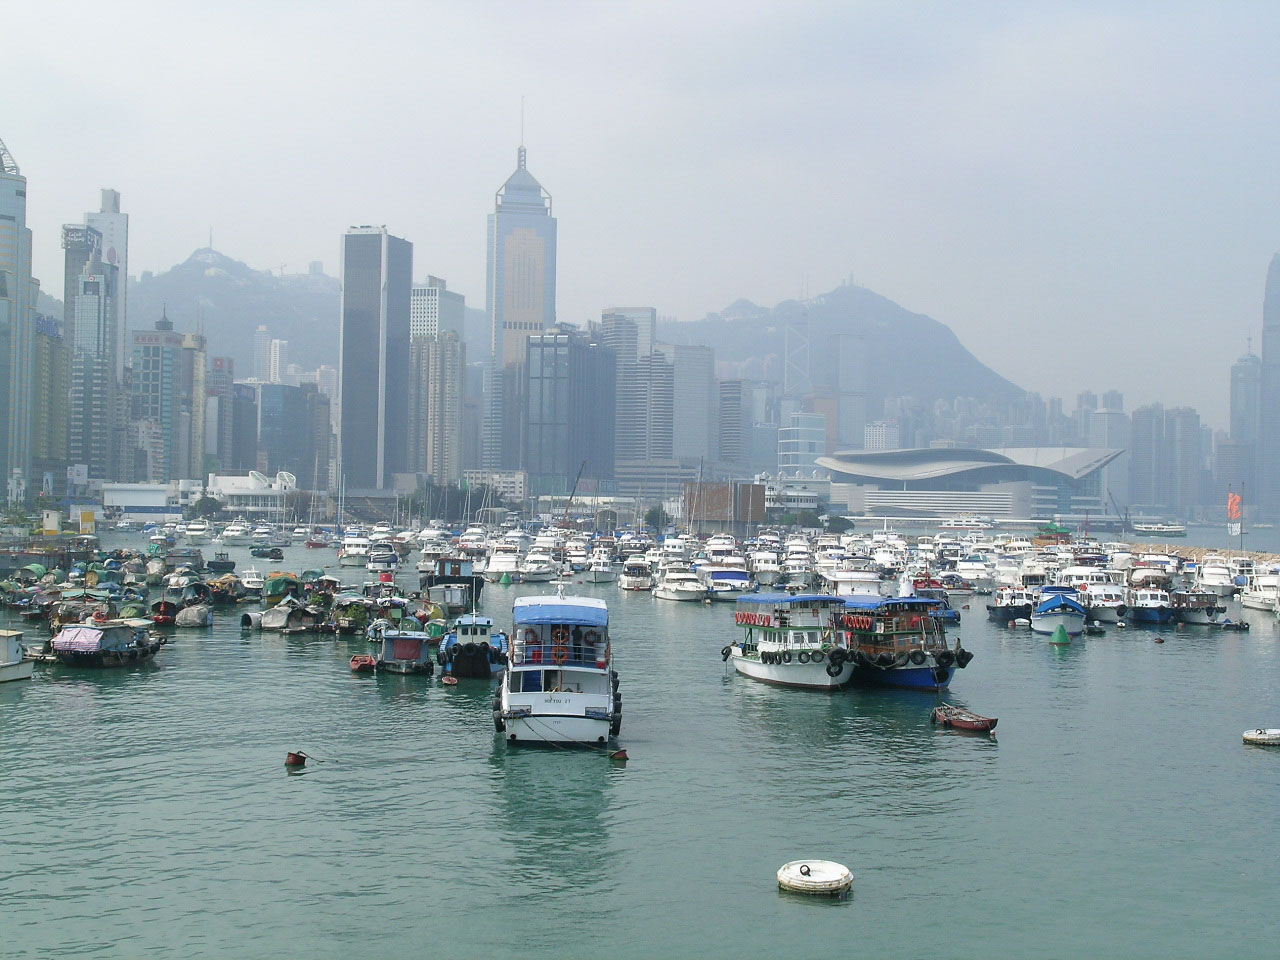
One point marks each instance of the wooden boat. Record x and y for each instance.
(363, 663)
(949, 715)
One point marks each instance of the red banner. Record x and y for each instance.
(1235, 506)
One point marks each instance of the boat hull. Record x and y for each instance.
(1107, 614)
(600, 576)
(812, 676)
(1003, 613)
(352, 560)
(18, 670)
(1200, 616)
(909, 677)
(666, 593)
(556, 729)
(1150, 614)
(1047, 623)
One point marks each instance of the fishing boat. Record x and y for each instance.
(791, 641)
(221, 563)
(404, 650)
(1058, 606)
(473, 648)
(1196, 607)
(105, 643)
(948, 715)
(1011, 603)
(14, 664)
(560, 686)
(899, 642)
(1150, 605)
(679, 582)
(453, 572)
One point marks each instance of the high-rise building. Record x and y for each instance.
(1166, 458)
(157, 360)
(570, 411)
(113, 226)
(520, 298)
(373, 357)
(51, 413)
(734, 419)
(278, 362)
(1237, 465)
(801, 441)
(244, 427)
(293, 433)
(92, 368)
(693, 401)
(1267, 458)
(882, 435)
(262, 354)
(433, 309)
(193, 391)
(79, 243)
(218, 412)
(437, 368)
(1109, 430)
(644, 385)
(18, 293)
(852, 379)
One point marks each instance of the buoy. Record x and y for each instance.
(450, 680)
(1159, 639)
(619, 755)
(506, 580)
(1060, 635)
(1263, 737)
(295, 759)
(815, 877)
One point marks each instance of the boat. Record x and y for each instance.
(351, 613)
(1104, 602)
(637, 574)
(949, 715)
(538, 567)
(290, 615)
(1262, 591)
(900, 642)
(382, 558)
(1011, 603)
(600, 568)
(198, 532)
(363, 663)
(1195, 607)
(1213, 575)
(404, 650)
(1160, 529)
(237, 533)
(1262, 736)
(14, 664)
(726, 583)
(1058, 606)
(504, 561)
(221, 563)
(459, 572)
(105, 643)
(473, 648)
(267, 553)
(790, 640)
(253, 582)
(1150, 605)
(354, 550)
(196, 615)
(679, 582)
(560, 686)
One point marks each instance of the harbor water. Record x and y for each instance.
(147, 812)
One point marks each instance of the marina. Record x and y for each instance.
(218, 707)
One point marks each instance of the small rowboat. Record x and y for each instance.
(961, 719)
(1263, 737)
(363, 663)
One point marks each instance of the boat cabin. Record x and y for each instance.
(783, 621)
(894, 624)
(560, 645)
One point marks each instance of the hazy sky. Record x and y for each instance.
(1088, 193)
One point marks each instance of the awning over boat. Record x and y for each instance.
(79, 639)
(878, 603)
(584, 611)
(800, 599)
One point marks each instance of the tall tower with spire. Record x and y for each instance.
(1268, 451)
(520, 296)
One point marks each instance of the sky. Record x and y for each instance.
(1087, 193)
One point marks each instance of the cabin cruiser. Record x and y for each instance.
(679, 582)
(354, 551)
(504, 561)
(237, 534)
(538, 567)
(1059, 606)
(600, 569)
(382, 558)
(1263, 590)
(381, 531)
(1213, 575)
(765, 569)
(637, 574)
(1012, 603)
(560, 686)
(198, 532)
(725, 583)
(1104, 601)
(253, 582)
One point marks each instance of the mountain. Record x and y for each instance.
(228, 299)
(908, 353)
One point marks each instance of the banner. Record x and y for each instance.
(1233, 529)
(1235, 506)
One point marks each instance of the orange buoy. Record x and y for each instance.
(450, 681)
(1159, 639)
(619, 755)
(295, 759)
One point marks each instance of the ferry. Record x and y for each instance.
(1158, 529)
(560, 686)
(899, 642)
(790, 641)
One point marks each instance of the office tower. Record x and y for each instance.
(51, 412)
(373, 357)
(18, 292)
(262, 354)
(852, 377)
(278, 362)
(1267, 459)
(801, 441)
(113, 226)
(570, 413)
(644, 385)
(92, 367)
(734, 420)
(1246, 398)
(694, 399)
(520, 298)
(1109, 430)
(882, 435)
(157, 359)
(79, 244)
(645, 321)
(193, 391)
(1113, 400)
(438, 366)
(244, 427)
(1166, 458)
(293, 433)
(218, 412)
(433, 308)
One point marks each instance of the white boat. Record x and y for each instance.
(1263, 736)
(726, 583)
(637, 574)
(1201, 608)
(198, 532)
(382, 558)
(538, 567)
(504, 561)
(560, 686)
(1058, 606)
(600, 569)
(1262, 591)
(300, 534)
(1213, 575)
(354, 551)
(13, 662)
(1105, 602)
(765, 568)
(262, 534)
(679, 582)
(790, 641)
(253, 581)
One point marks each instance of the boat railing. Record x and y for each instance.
(579, 652)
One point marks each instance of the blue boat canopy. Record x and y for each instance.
(877, 603)
(799, 599)
(583, 611)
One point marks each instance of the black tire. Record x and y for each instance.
(498, 723)
(918, 657)
(469, 648)
(833, 669)
(786, 656)
(962, 658)
(817, 656)
(940, 675)
(484, 647)
(944, 658)
(803, 656)
(725, 652)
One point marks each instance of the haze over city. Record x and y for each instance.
(1086, 194)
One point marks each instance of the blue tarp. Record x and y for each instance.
(799, 599)
(875, 603)
(1059, 601)
(584, 611)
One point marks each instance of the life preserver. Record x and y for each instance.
(99, 616)
(560, 653)
(591, 638)
(560, 636)
(531, 636)
(1084, 587)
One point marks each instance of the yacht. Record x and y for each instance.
(382, 558)
(301, 534)
(679, 582)
(600, 569)
(538, 567)
(726, 582)
(504, 561)
(1213, 575)
(637, 574)
(474, 541)
(354, 551)
(1263, 589)
(1058, 606)
(198, 532)
(765, 569)
(381, 531)
(237, 534)
(253, 582)
(560, 686)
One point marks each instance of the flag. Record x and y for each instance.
(1235, 506)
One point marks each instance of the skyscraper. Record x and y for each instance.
(437, 366)
(520, 292)
(261, 354)
(157, 358)
(113, 227)
(278, 362)
(93, 364)
(51, 416)
(79, 243)
(693, 370)
(373, 356)
(1267, 459)
(433, 308)
(193, 391)
(18, 292)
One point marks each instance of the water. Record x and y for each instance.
(147, 812)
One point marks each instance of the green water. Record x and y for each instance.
(147, 812)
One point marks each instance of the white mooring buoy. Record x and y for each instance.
(815, 876)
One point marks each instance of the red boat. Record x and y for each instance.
(363, 663)
(316, 544)
(962, 719)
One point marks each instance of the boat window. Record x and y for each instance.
(526, 681)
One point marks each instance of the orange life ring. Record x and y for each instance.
(1084, 586)
(560, 636)
(560, 653)
(591, 638)
(99, 616)
(531, 636)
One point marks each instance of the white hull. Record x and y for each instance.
(671, 593)
(554, 729)
(237, 540)
(1104, 614)
(18, 670)
(635, 583)
(794, 674)
(351, 560)
(1049, 622)
(1217, 589)
(1199, 617)
(535, 576)
(728, 594)
(600, 576)
(382, 567)
(1258, 601)
(766, 577)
